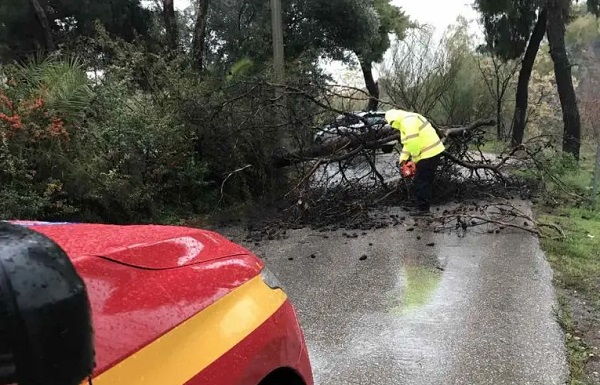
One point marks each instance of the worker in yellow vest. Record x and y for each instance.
(421, 145)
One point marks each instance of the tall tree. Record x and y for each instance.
(42, 18)
(51, 23)
(374, 21)
(514, 28)
(312, 28)
(590, 110)
(199, 40)
(170, 21)
(522, 97)
(594, 7)
(510, 26)
(558, 13)
(392, 21)
(498, 76)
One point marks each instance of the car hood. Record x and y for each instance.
(144, 246)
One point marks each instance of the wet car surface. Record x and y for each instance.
(177, 305)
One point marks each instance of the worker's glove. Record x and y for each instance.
(408, 170)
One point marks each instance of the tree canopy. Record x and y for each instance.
(67, 19)
(508, 25)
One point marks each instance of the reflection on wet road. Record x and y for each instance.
(473, 310)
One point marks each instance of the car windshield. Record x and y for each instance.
(347, 120)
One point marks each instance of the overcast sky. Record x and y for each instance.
(438, 13)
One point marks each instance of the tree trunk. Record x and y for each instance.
(372, 85)
(352, 143)
(596, 181)
(171, 24)
(594, 7)
(199, 41)
(43, 20)
(558, 12)
(522, 97)
(499, 100)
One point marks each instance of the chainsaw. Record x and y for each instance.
(408, 170)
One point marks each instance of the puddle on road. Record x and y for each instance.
(418, 289)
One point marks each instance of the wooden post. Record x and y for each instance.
(277, 29)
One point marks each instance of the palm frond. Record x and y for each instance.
(62, 83)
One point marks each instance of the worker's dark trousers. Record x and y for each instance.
(426, 170)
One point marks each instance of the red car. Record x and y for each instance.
(176, 305)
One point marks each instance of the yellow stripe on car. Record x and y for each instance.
(182, 353)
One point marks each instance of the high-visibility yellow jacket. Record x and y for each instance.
(419, 138)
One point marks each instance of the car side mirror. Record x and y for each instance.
(45, 319)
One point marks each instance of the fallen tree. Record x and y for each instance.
(370, 140)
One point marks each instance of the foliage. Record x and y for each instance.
(68, 152)
(42, 109)
(70, 19)
(241, 29)
(543, 116)
(312, 30)
(514, 28)
(500, 80)
(151, 138)
(438, 79)
(508, 25)
(575, 261)
(582, 32)
(151, 135)
(593, 7)
(420, 72)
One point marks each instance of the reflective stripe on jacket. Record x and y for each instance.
(419, 138)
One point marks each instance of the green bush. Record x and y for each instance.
(148, 138)
(71, 150)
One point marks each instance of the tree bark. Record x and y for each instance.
(558, 12)
(372, 85)
(43, 20)
(170, 24)
(199, 40)
(499, 100)
(522, 97)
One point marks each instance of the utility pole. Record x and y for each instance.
(278, 52)
(285, 140)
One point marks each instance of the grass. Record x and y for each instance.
(491, 145)
(495, 147)
(577, 258)
(576, 262)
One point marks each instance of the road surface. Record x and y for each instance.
(422, 308)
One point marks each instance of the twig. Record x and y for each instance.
(227, 178)
(307, 176)
(508, 214)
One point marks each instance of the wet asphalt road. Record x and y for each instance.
(473, 310)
